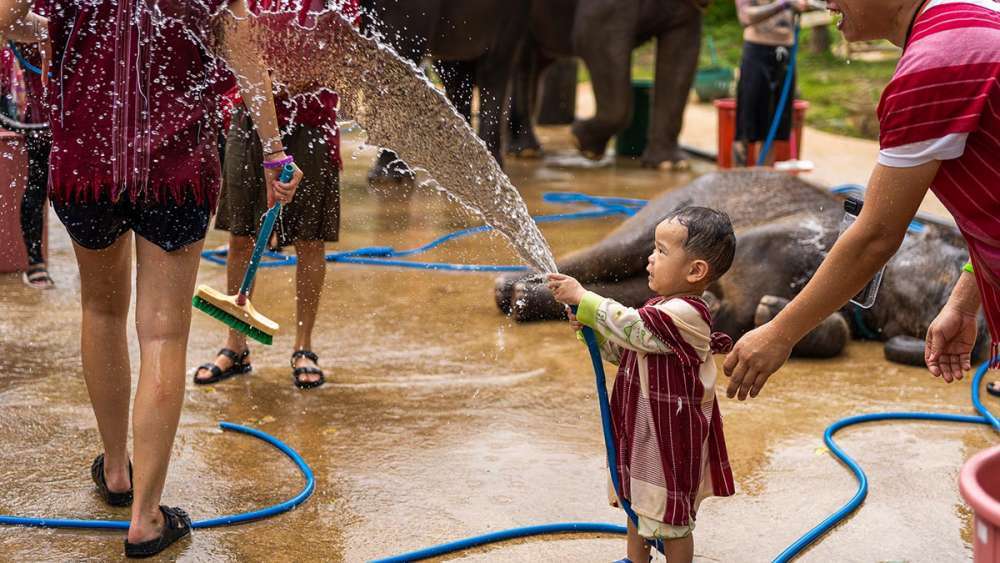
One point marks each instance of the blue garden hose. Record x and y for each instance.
(21, 59)
(783, 101)
(227, 520)
(384, 255)
(504, 535)
(986, 417)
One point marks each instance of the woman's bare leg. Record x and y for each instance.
(105, 294)
(164, 285)
(309, 275)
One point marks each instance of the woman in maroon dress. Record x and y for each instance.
(133, 101)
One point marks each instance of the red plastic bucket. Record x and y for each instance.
(726, 132)
(979, 483)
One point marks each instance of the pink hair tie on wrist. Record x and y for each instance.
(278, 163)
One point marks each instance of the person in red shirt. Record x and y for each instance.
(311, 133)
(133, 118)
(940, 130)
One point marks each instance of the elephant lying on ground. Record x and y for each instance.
(784, 227)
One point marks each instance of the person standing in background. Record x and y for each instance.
(768, 36)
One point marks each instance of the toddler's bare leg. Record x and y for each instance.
(638, 549)
(679, 550)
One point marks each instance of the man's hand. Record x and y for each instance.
(565, 289)
(950, 339)
(753, 359)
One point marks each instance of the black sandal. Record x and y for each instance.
(112, 498)
(176, 525)
(296, 372)
(993, 388)
(239, 367)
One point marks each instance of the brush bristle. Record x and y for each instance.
(231, 321)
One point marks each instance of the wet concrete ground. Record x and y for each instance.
(443, 419)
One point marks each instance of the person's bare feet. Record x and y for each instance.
(145, 527)
(117, 478)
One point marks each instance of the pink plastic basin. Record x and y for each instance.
(979, 483)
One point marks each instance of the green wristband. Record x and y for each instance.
(968, 267)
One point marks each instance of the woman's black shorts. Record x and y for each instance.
(171, 226)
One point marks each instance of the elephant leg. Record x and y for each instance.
(676, 63)
(523, 99)
(825, 341)
(458, 77)
(493, 78)
(531, 299)
(603, 36)
(390, 176)
(503, 290)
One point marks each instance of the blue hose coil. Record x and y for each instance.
(228, 520)
(383, 255)
(986, 417)
(504, 535)
(790, 552)
(24, 62)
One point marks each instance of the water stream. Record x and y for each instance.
(401, 110)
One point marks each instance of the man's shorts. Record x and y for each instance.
(97, 225)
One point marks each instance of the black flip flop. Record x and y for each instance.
(239, 367)
(296, 372)
(176, 525)
(993, 388)
(112, 498)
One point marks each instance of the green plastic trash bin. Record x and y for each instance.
(632, 141)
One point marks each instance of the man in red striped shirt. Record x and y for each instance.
(940, 130)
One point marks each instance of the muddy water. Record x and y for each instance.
(443, 419)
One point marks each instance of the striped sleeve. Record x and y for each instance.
(941, 87)
(620, 325)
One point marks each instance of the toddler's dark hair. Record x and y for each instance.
(710, 237)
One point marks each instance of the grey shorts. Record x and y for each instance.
(314, 212)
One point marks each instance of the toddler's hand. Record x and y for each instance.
(565, 289)
(577, 325)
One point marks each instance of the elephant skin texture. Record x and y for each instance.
(603, 34)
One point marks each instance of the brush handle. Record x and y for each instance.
(265, 233)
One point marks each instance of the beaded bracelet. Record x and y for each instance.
(278, 163)
(280, 148)
(968, 267)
